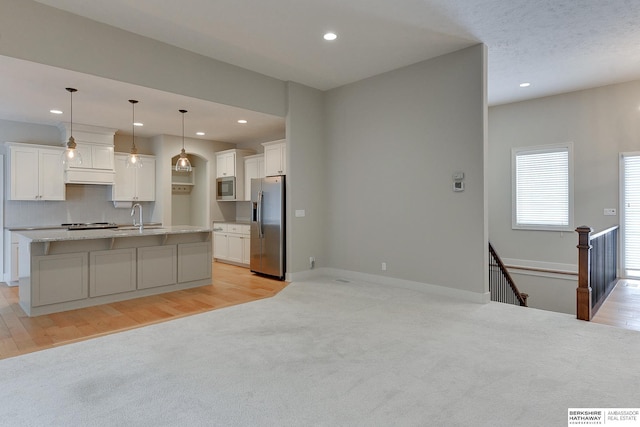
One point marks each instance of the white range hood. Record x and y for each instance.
(95, 145)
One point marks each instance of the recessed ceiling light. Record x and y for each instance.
(525, 84)
(330, 36)
(55, 111)
(200, 133)
(242, 121)
(138, 124)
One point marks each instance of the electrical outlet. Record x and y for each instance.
(610, 212)
(384, 266)
(312, 262)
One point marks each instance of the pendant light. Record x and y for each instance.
(133, 159)
(71, 156)
(183, 164)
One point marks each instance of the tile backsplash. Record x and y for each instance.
(84, 203)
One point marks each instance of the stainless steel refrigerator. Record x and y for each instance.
(267, 226)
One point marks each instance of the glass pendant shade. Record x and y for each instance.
(133, 159)
(183, 164)
(71, 156)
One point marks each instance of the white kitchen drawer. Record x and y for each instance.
(220, 227)
(238, 228)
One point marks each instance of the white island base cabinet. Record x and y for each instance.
(59, 275)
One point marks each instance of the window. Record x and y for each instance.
(542, 187)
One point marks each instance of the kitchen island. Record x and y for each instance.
(62, 270)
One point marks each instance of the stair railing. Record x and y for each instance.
(501, 286)
(597, 269)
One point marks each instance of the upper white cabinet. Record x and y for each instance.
(95, 156)
(225, 163)
(230, 163)
(275, 158)
(95, 145)
(35, 172)
(134, 184)
(253, 168)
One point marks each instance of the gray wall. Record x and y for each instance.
(11, 131)
(394, 141)
(307, 178)
(371, 162)
(43, 34)
(601, 122)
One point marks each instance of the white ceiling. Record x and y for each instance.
(556, 45)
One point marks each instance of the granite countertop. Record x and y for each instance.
(53, 235)
(247, 222)
(60, 227)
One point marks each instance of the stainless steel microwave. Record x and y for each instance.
(226, 188)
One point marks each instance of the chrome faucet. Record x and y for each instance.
(133, 211)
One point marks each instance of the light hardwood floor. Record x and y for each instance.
(622, 307)
(20, 334)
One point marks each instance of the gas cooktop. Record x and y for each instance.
(89, 225)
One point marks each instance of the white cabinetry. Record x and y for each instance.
(134, 184)
(226, 164)
(253, 168)
(95, 145)
(231, 243)
(95, 156)
(275, 158)
(35, 172)
(11, 257)
(220, 241)
(230, 163)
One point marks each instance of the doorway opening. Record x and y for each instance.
(190, 193)
(630, 214)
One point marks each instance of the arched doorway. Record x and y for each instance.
(190, 193)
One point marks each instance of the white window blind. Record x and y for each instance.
(542, 188)
(631, 214)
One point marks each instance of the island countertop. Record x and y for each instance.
(54, 235)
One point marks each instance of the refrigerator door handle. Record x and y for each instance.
(260, 233)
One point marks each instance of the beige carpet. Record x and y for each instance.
(331, 354)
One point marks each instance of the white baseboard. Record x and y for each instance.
(481, 298)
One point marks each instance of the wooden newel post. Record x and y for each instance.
(583, 297)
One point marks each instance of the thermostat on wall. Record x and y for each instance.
(458, 186)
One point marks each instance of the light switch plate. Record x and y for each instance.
(610, 212)
(300, 213)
